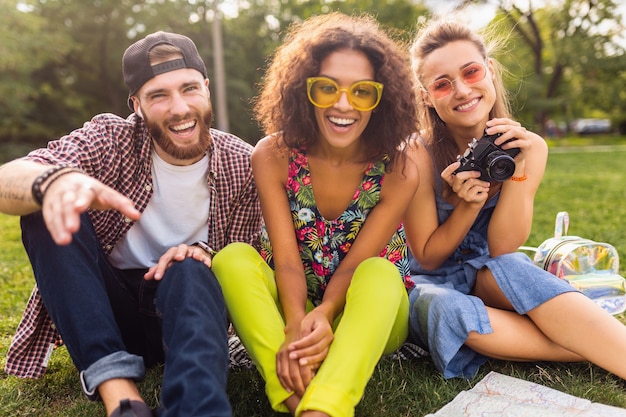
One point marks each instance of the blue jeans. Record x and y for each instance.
(112, 321)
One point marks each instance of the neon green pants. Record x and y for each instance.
(374, 322)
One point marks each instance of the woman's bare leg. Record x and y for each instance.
(517, 338)
(568, 327)
(578, 324)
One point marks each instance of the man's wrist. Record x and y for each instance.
(205, 247)
(46, 178)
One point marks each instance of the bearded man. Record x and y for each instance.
(120, 220)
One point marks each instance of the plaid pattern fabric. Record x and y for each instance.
(239, 358)
(407, 352)
(35, 337)
(118, 152)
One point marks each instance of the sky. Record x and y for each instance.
(477, 16)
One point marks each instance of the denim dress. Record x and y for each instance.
(442, 311)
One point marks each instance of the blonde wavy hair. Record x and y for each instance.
(434, 35)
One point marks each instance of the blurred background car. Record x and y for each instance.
(587, 126)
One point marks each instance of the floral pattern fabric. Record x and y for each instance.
(324, 243)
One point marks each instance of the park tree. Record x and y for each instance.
(77, 72)
(62, 58)
(563, 55)
(259, 27)
(599, 91)
(26, 54)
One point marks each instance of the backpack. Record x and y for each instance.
(591, 267)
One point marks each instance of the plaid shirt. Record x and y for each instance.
(118, 152)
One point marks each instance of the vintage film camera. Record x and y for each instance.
(493, 162)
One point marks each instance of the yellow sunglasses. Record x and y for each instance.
(323, 92)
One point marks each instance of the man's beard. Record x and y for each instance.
(162, 136)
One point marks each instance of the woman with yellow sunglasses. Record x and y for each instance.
(327, 294)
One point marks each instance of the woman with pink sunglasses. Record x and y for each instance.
(476, 297)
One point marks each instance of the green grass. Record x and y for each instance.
(590, 186)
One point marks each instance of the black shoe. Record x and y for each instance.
(129, 408)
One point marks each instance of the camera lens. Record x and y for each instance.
(500, 166)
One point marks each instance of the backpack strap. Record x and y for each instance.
(561, 224)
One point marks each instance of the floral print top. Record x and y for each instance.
(324, 243)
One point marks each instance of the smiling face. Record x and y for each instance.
(177, 110)
(466, 108)
(341, 125)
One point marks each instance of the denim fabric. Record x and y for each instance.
(195, 341)
(116, 365)
(443, 312)
(112, 321)
(440, 318)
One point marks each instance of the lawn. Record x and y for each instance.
(591, 186)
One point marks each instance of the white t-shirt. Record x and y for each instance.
(178, 212)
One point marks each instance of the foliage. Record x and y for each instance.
(590, 185)
(61, 58)
(566, 58)
(27, 47)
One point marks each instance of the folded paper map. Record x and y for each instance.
(505, 396)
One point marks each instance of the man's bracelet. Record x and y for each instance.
(205, 247)
(48, 177)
